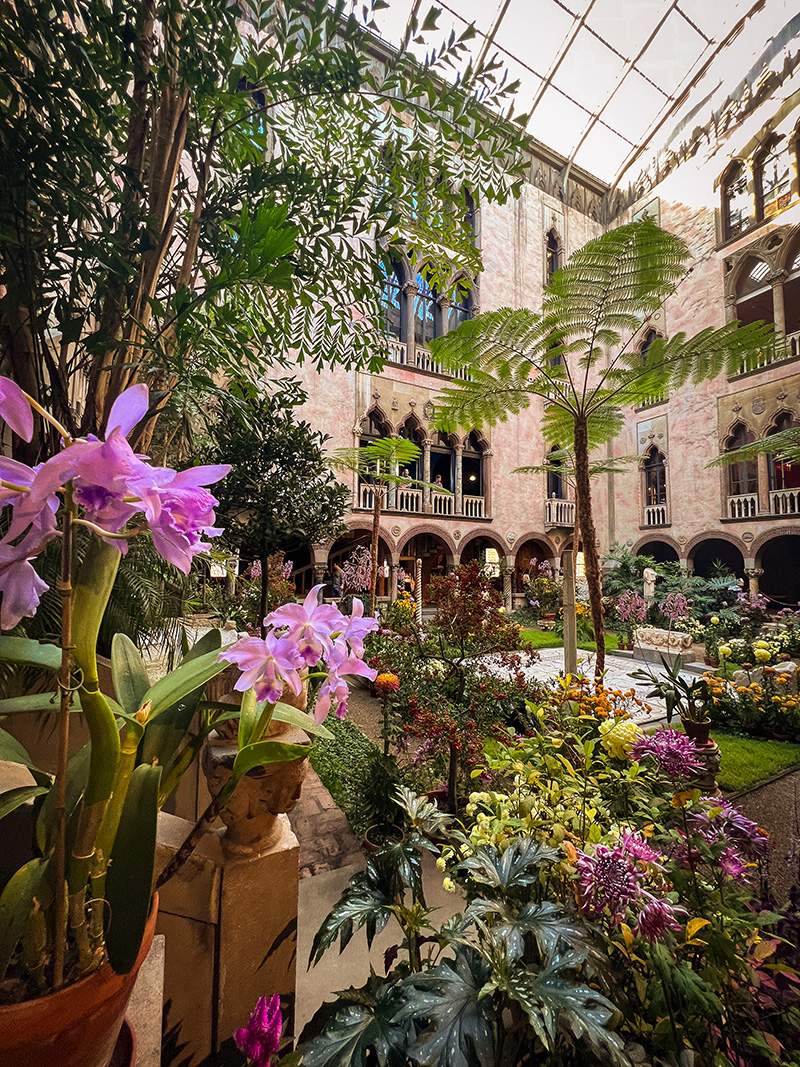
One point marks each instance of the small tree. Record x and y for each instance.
(280, 493)
(577, 356)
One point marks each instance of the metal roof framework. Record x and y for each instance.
(600, 79)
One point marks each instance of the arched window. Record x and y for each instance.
(552, 256)
(754, 301)
(555, 481)
(742, 476)
(472, 466)
(410, 431)
(649, 337)
(375, 428)
(655, 478)
(735, 201)
(442, 462)
(392, 301)
(774, 178)
(425, 311)
(782, 473)
(460, 306)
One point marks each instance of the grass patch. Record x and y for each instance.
(748, 760)
(549, 639)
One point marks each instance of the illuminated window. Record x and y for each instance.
(782, 473)
(655, 478)
(491, 563)
(774, 179)
(742, 476)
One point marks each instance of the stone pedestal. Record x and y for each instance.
(651, 644)
(710, 757)
(788, 670)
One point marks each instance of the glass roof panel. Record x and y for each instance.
(536, 35)
(589, 72)
(626, 24)
(535, 31)
(556, 120)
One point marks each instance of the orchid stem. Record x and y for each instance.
(48, 417)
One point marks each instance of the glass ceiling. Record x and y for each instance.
(609, 82)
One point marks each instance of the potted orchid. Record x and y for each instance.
(77, 917)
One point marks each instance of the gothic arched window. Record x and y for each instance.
(655, 478)
(392, 299)
(735, 201)
(783, 474)
(743, 475)
(774, 178)
(552, 256)
(555, 481)
(460, 306)
(425, 311)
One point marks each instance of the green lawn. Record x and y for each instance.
(548, 639)
(746, 760)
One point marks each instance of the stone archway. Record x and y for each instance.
(435, 554)
(779, 560)
(531, 553)
(662, 550)
(489, 552)
(706, 550)
(342, 548)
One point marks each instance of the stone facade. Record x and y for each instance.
(702, 518)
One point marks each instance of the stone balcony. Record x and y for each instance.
(656, 515)
(418, 358)
(412, 502)
(559, 513)
(747, 506)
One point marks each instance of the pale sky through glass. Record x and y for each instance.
(605, 77)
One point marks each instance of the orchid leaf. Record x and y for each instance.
(286, 713)
(16, 904)
(131, 680)
(46, 703)
(77, 775)
(129, 880)
(264, 752)
(178, 684)
(13, 752)
(23, 652)
(12, 799)
(164, 736)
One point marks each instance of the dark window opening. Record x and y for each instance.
(392, 302)
(425, 309)
(742, 476)
(655, 478)
(460, 306)
(783, 474)
(555, 480)
(552, 257)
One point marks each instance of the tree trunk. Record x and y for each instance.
(591, 556)
(264, 590)
(376, 522)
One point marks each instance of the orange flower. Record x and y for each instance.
(386, 683)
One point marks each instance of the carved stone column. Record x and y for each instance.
(410, 289)
(459, 501)
(319, 573)
(506, 573)
(778, 306)
(427, 505)
(763, 484)
(393, 582)
(486, 472)
(753, 574)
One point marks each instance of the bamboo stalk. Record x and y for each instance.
(60, 850)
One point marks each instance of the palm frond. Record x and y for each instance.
(784, 446)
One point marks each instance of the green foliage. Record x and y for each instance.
(242, 223)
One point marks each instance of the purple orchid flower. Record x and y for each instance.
(357, 627)
(260, 1040)
(335, 687)
(180, 511)
(15, 408)
(267, 664)
(20, 585)
(310, 624)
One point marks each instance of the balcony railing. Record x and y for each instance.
(409, 500)
(784, 502)
(422, 360)
(743, 507)
(783, 350)
(442, 503)
(474, 507)
(559, 512)
(656, 515)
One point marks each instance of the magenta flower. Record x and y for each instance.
(675, 607)
(310, 624)
(260, 1040)
(637, 847)
(16, 409)
(608, 879)
(722, 821)
(732, 863)
(267, 665)
(655, 918)
(674, 753)
(335, 687)
(631, 605)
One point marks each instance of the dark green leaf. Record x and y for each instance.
(517, 866)
(356, 1030)
(25, 653)
(16, 904)
(14, 798)
(131, 680)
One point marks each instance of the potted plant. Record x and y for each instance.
(688, 696)
(77, 917)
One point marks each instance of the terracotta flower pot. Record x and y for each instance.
(76, 1027)
(377, 836)
(698, 731)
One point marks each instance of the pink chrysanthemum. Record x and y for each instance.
(675, 754)
(655, 918)
(636, 846)
(608, 879)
